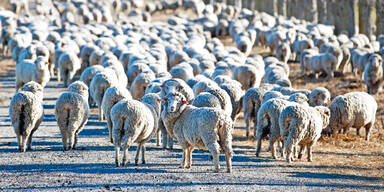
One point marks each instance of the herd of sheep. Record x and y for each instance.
(178, 79)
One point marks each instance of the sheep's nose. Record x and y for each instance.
(172, 108)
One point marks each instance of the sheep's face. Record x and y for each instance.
(174, 102)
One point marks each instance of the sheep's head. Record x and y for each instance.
(174, 102)
(325, 115)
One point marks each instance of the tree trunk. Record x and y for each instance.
(380, 16)
(282, 7)
(367, 8)
(322, 11)
(311, 10)
(330, 12)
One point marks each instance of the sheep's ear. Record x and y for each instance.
(46, 63)
(165, 99)
(184, 102)
(180, 87)
(161, 86)
(327, 112)
(21, 89)
(159, 100)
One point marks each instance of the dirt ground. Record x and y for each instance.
(340, 162)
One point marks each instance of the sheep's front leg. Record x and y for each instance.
(143, 154)
(309, 151)
(183, 158)
(189, 153)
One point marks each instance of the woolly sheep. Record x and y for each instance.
(134, 121)
(111, 96)
(29, 70)
(68, 64)
(172, 86)
(251, 103)
(248, 75)
(99, 84)
(354, 109)
(373, 74)
(236, 94)
(319, 96)
(26, 113)
(324, 62)
(302, 125)
(198, 127)
(140, 83)
(283, 52)
(72, 113)
(205, 99)
(268, 119)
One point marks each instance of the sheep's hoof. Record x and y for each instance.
(257, 154)
(143, 162)
(117, 164)
(229, 170)
(188, 167)
(124, 164)
(300, 156)
(274, 157)
(309, 160)
(182, 167)
(216, 170)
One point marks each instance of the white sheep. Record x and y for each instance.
(249, 76)
(251, 103)
(26, 113)
(319, 96)
(302, 125)
(236, 94)
(87, 75)
(324, 62)
(140, 83)
(111, 96)
(205, 99)
(134, 121)
(72, 113)
(283, 52)
(198, 127)
(68, 64)
(354, 109)
(268, 119)
(99, 84)
(29, 70)
(373, 74)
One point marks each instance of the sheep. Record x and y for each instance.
(283, 52)
(251, 103)
(111, 96)
(140, 83)
(248, 75)
(354, 109)
(302, 125)
(324, 62)
(198, 127)
(29, 70)
(68, 64)
(171, 86)
(134, 121)
(26, 113)
(268, 119)
(205, 99)
(87, 75)
(72, 112)
(319, 96)
(236, 94)
(99, 84)
(373, 74)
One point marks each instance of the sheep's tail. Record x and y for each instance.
(263, 122)
(21, 115)
(225, 126)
